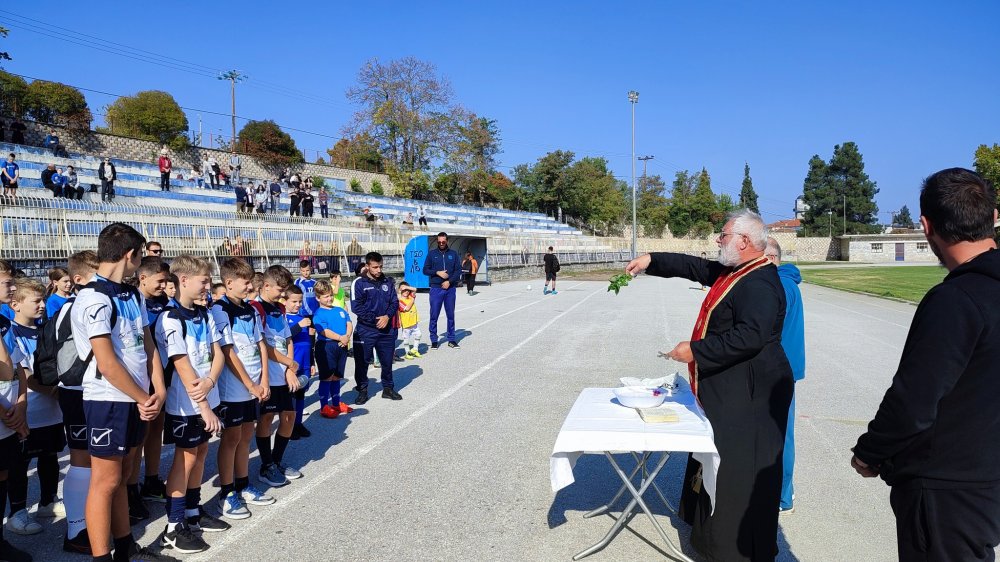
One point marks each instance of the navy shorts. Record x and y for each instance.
(46, 440)
(74, 420)
(280, 401)
(9, 449)
(235, 414)
(331, 359)
(113, 428)
(184, 432)
(550, 276)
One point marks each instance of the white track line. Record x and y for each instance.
(290, 501)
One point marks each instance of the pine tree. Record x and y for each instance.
(828, 187)
(748, 197)
(679, 215)
(704, 206)
(903, 218)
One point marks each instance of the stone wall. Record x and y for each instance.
(793, 248)
(128, 148)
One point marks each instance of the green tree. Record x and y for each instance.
(472, 155)
(680, 217)
(355, 184)
(266, 142)
(55, 103)
(592, 194)
(652, 205)
(902, 218)
(724, 205)
(152, 115)
(4, 55)
(748, 197)
(704, 206)
(360, 152)
(13, 94)
(829, 186)
(987, 164)
(377, 188)
(545, 183)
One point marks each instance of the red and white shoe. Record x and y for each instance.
(344, 408)
(329, 412)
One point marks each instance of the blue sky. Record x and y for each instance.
(770, 83)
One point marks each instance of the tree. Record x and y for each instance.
(405, 106)
(544, 181)
(829, 186)
(14, 99)
(903, 218)
(266, 142)
(472, 155)
(652, 205)
(4, 55)
(704, 207)
(360, 152)
(987, 164)
(592, 194)
(748, 197)
(680, 217)
(55, 103)
(152, 115)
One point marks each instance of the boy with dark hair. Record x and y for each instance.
(82, 268)
(374, 301)
(282, 376)
(45, 438)
(244, 383)
(300, 326)
(10, 174)
(111, 332)
(189, 343)
(305, 282)
(170, 289)
(218, 291)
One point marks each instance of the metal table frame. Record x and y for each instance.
(646, 481)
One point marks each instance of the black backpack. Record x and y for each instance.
(56, 359)
(168, 370)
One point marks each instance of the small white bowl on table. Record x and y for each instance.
(639, 396)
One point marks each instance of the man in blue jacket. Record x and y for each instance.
(793, 341)
(374, 301)
(444, 268)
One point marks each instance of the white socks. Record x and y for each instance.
(75, 488)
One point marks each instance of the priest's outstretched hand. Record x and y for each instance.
(682, 352)
(638, 265)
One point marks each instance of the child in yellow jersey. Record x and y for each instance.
(409, 321)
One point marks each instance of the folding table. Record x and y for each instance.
(598, 424)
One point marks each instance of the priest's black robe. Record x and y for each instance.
(745, 387)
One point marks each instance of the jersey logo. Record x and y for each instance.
(385, 288)
(170, 333)
(100, 436)
(94, 311)
(222, 411)
(179, 427)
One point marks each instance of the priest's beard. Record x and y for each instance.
(729, 256)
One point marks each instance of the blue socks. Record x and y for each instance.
(191, 502)
(300, 405)
(335, 393)
(324, 393)
(175, 509)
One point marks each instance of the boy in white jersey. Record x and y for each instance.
(82, 268)
(110, 330)
(13, 408)
(244, 382)
(188, 341)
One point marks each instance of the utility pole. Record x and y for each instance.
(644, 160)
(233, 76)
(845, 214)
(633, 98)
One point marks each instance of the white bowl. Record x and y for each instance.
(639, 397)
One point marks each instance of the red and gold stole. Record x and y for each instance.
(719, 290)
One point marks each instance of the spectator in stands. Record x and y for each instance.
(226, 249)
(166, 166)
(422, 217)
(251, 197)
(17, 132)
(239, 246)
(295, 181)
(235, 166)
(58, 180)
(106, 171)
(215, 172)
(324, 202)
(71, 186)
(9, 176)
(261, 198)
(196, 177)
(306, 254)
(408, 220)
(275, 194)
(241, 198)
(206, 173)
(154, 249)
(307, 199)
(295, 198)
(51, 142)
(47, 182)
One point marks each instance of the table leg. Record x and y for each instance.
(645, 472)
(637, 499)
(640, 463)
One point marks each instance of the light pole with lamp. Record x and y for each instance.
(829, 213)
(633, 98)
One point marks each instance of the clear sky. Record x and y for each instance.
(771, 83)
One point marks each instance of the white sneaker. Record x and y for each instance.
(233, 507)
(289, 472)
(22, 524)
(55, 509)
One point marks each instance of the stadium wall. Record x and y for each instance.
(127, 148)
(793, 248)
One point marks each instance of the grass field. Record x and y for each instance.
(906, 283)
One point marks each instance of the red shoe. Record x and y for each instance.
(344, 408)
(329, 412)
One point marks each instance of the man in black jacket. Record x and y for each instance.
(106, 171)
(936, 436)
(47, 182)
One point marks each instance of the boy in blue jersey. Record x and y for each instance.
(9, 176)
(152, 279)
(45, 438)
(282, 375)
(306, 283)
(244, 382)
(189, 344)
(300, 326)
(123, 360)
(82, 268)
(333, 335)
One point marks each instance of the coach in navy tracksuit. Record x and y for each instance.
(374, 301)
(444, 268)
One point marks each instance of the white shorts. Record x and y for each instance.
(412, 333)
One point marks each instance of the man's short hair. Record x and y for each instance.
(293, 289)
(550, 248)
(373, 257)
(152, 265)
(773, 245)
(959, 204)
(440, 234)
(235, 268)
(116, 240)
(25, 286)
(278, 276)
(186, 264)
(151, 243)
(85, 262)
(305, 263)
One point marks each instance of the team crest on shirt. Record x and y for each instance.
(385, 288)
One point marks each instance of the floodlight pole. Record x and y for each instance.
(633, 98)
(233, 76)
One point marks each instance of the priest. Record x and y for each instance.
(742, 379)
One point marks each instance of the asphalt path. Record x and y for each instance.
(458, 470)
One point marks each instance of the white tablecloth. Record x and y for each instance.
(597, 423)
